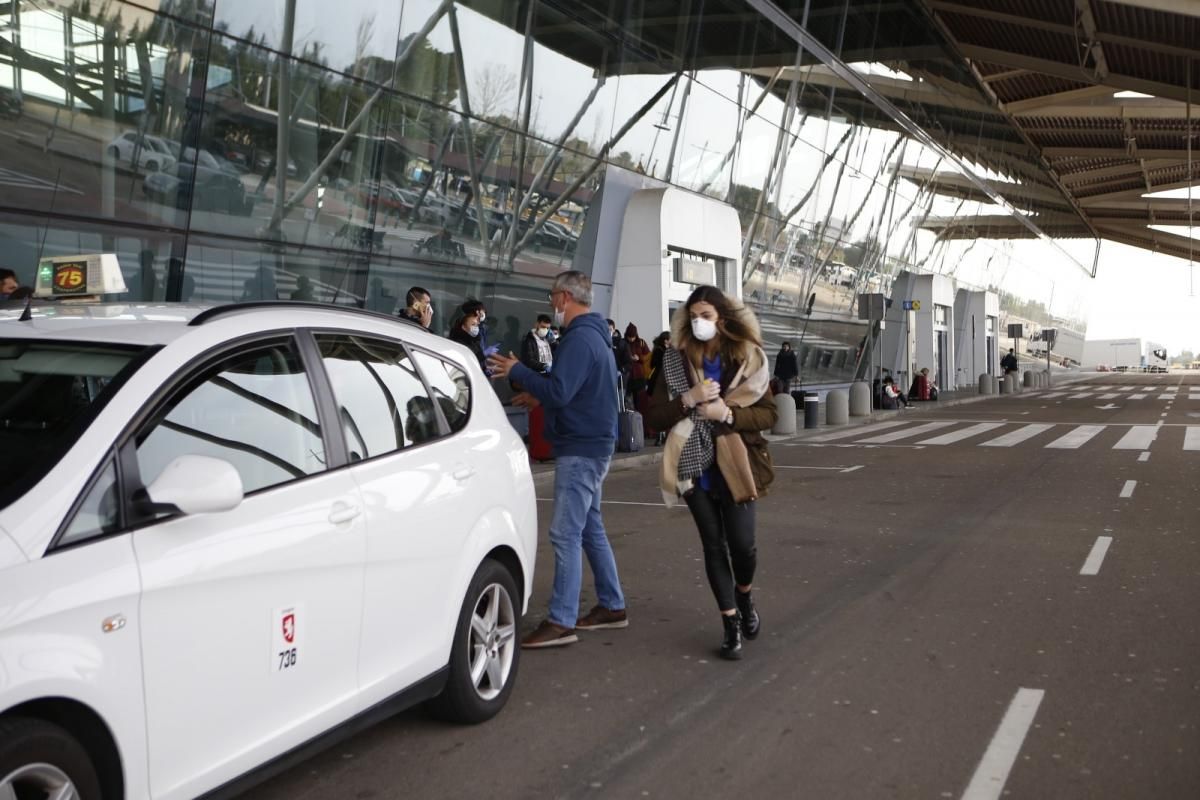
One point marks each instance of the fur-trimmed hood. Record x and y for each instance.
(747, 353)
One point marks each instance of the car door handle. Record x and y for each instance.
(463, 473)
(343, 512)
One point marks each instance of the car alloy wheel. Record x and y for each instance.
(493, 641)
(38, 780)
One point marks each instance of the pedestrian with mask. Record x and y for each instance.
(580, 403)
(713, 397)
(469, 331)
(535, 347)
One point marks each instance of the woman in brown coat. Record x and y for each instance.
(713, 397)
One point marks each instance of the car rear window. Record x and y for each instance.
(50, 391)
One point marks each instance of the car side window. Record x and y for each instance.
(254, 410)
(99, 513)
(381, 401)
(450, 386)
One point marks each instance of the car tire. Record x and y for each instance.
(38, 759)
(486, 649)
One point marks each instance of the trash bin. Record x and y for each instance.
(812, 409)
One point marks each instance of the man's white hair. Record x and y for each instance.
(576, 284)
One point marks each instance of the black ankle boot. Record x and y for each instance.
(748, 613)
(731, 648)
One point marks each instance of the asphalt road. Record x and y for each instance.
(924, 614)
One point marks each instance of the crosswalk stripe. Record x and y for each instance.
(1166, 397)
(1080, 396)
(829, 437)
(1109, 396)
(905, 433)
(965, 433)
(1139, 437)
(1191, 439)
(1140, 396)
(1018, 436)
(1053, 395)
(1076, 438)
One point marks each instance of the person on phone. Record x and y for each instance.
(418, 307)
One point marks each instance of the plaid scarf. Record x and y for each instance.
(698, 452)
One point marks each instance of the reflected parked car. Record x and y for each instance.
(202, 181)
(230, 533)
(385, 198)
(153, 154)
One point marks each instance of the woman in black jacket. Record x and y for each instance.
(786, 368)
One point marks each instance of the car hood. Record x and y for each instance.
(10, 554)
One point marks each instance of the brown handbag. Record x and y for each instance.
(733, 459)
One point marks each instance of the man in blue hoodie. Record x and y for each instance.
(580, 399)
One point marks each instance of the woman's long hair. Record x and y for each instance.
(737, 328)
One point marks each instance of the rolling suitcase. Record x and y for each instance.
(539, 448)
(631, 434)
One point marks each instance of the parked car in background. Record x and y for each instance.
(230, 533)
(152, 152)
(385, 198)
(201, 181)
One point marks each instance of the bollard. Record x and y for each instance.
(1006, 385)
(785, 407)
(1046, 378)
(860, 399)
(1027, 380)
(985, 384)
(837, 407)
(812, 409)
(995, 385)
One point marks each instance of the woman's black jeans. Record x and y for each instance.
(727, 534)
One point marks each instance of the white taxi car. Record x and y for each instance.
(230, 534)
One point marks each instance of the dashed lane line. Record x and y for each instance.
(1127, 489)
(992, 773)
(1091, 566)
(1144, 456)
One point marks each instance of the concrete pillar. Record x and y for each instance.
(837, 407)
(785, 407)
(860, 399)
(985, 384)
(1007, 385)
(1027, 379)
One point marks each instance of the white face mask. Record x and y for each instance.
(473, 330)
(541, 332)
(703, 329)
(560, 317)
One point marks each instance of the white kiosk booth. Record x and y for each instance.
(671, 242)
(919, 330)
(977, 314)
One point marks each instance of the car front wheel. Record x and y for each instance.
(38, 759)
(486, 652)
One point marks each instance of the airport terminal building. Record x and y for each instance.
(962, 160)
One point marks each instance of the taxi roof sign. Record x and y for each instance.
(84, 276)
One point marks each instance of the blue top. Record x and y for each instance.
(712, 371)
(580, 394)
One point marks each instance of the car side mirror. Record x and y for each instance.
(195, 484)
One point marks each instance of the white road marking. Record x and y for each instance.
(1018, 436)
(1191, 439)
(832, 469)
(965, 433)
(829, 437)
(1166, 397)
(1127, 489)
(855, 468)
(905, 433)
(1080, 396)
(1095, 558)
(1139, 437)
(992, 773)
(1076, 438)
(615, 503)
(1053, 395)
(1109, 396)
(1139, 396)
(1144, 457)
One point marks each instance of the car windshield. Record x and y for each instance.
(49, 393)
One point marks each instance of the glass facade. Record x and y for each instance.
(294, 149)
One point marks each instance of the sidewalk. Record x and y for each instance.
(543, 472)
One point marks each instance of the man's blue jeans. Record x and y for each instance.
(577, 524)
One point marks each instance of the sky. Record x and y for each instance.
(1139, 294)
